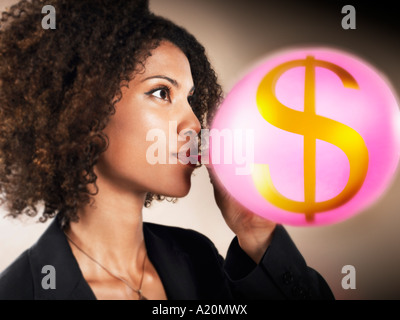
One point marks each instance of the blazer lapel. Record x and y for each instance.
(172, 264)
(52, 249)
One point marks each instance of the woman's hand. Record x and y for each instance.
(254, 232)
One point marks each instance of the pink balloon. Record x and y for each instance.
(332, 104)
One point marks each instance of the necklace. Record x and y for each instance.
(138, 291)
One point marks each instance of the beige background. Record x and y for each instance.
(236, 34)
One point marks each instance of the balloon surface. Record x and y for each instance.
(309, 137)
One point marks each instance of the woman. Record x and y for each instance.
(77, 104)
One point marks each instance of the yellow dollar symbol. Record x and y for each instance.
(312, 127)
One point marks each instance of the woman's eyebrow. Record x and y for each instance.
(173, 82)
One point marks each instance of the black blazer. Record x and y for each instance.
(187, 262)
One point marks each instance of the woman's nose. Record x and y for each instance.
(189, 124)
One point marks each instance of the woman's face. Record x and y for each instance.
(155, 106)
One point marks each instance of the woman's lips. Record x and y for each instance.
(191, 159)
(187, 159)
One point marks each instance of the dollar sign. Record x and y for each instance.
(312, 126)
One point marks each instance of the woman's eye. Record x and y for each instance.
(161, 94)
(190, 100)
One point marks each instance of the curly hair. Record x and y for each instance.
(58, 90)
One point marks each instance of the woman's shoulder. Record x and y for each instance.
(191, 255)
(16, 279)
(189, 241)
(178, 235)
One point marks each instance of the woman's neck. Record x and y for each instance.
(111, 229)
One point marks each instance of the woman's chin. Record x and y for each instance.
(176, 191)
